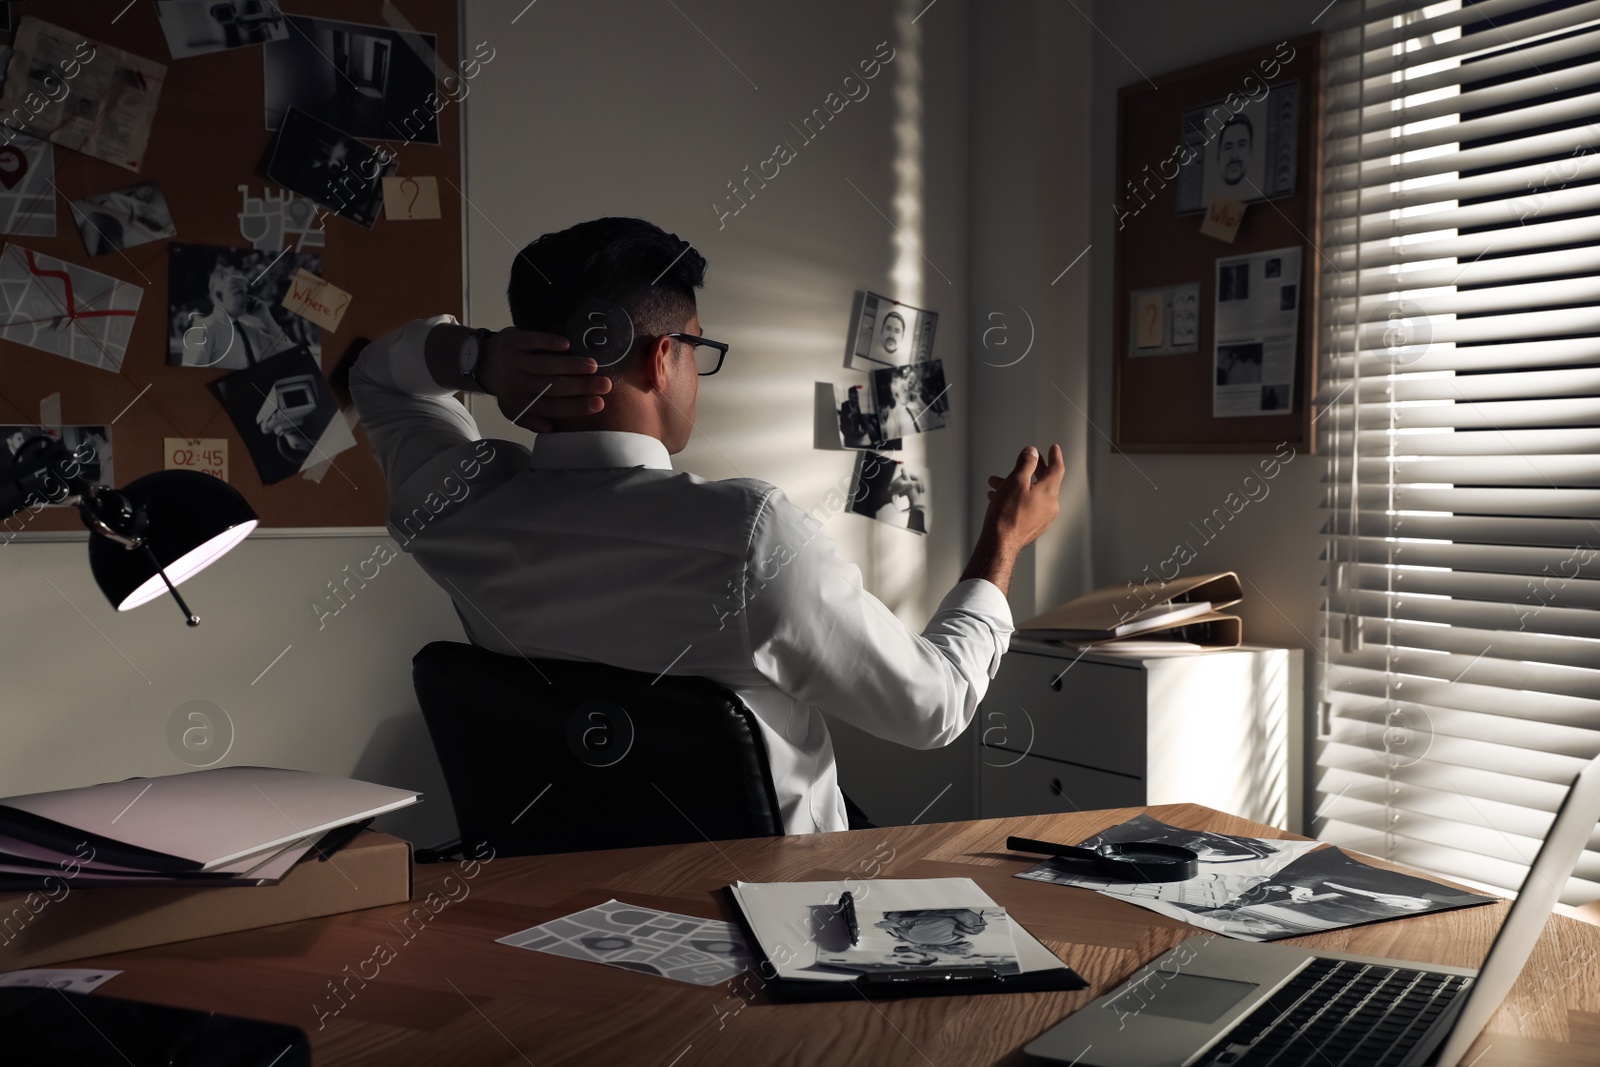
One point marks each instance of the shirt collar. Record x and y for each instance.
(597, 449)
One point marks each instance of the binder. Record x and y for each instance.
(1042, 971)
(1105, 616)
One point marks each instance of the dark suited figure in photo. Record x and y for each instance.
(1235, 145)
(238, 331)
(858, 428)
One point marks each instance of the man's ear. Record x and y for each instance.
(657, 364)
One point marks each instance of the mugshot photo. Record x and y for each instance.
(887, 333)
(225, 306)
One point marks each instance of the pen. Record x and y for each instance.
(848, 903)
(939, 976)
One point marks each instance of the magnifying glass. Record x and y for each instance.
(1130, 861)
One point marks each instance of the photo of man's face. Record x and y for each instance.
(892, 333)
(1234, 147)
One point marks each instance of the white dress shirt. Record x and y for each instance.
(591, 547)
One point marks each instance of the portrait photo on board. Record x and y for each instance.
(911, 399)
(887, 333)
(225, 306)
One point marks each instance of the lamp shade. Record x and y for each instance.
(191, 519)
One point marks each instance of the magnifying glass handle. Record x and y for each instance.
(1047, 848)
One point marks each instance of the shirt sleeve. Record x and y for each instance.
(819, 636)
(409, 417)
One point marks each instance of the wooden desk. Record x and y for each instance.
(446, 993)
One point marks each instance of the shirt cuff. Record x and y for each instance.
(979, 596)
(408, 358)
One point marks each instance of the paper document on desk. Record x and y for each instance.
(798, 923)
(685, 948)
(892, 941)
(1260, 889)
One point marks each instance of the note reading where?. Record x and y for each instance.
(315, 299)
(208, 455)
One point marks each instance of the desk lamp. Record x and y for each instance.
(145, 538)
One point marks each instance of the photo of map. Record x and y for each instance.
(60, 307)
(27, 196)
(685, 948)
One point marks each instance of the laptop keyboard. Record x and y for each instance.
(1338, 1013)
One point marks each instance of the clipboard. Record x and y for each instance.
(1048, 979)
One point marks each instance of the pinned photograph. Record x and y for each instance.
(91, 444)
(27, 186)
(891, 491)
(859, 426)
(1239, 364)
(887, 333)
(286, 413)
(225, 306)
(911, 399)
(68, 310)
(1245, 154)
(330, 166)
(199, 27)
(122, 219)
(366, 80)
(929, 937)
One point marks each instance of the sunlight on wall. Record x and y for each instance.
(899, 564)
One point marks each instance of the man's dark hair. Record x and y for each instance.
(1237, 120)
(651, 273)
(896, 315)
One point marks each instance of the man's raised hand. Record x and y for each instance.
(537, 381)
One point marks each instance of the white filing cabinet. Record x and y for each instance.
(1060, 732)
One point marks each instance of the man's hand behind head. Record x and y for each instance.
(1022, 504)
(536, 381)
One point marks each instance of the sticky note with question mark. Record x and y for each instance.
(316, 299)
(405, 199)
(1150, 321)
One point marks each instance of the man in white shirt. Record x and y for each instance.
(592, 547)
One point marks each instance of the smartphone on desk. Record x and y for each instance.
(40, 1026)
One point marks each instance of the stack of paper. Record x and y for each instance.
(226, 826)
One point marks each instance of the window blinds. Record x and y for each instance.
(1460, 340)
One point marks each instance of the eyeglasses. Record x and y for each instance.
(703, 360)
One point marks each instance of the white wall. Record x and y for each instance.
(1143, 503)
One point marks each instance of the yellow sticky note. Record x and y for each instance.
(208, 455)
(1150, 321)
(410, 198)
(1223, 217)
(316, 299)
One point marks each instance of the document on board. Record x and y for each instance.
(1257, 329)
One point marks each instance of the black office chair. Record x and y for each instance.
(557, 756)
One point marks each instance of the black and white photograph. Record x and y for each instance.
(1274, 398)
(92, 444)
(1244, 153)
(225, 306)
(1239, 364)
(1273, 267)
(199, 27)
(891, 491)
(1328, 889)
(887, 333)
(365, 80)
(1286, 297)
(929, 937)
(1235, 282)
(911, 399)
(330, 166)
(281, 408)
(859, 425)
(123, 218)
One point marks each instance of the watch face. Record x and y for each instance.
(469, 354)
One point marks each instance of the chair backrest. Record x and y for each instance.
(547, 755)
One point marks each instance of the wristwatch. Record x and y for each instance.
(472, 354)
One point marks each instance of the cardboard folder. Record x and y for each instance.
(1147, 610)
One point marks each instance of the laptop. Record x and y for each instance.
(1216, 1002)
